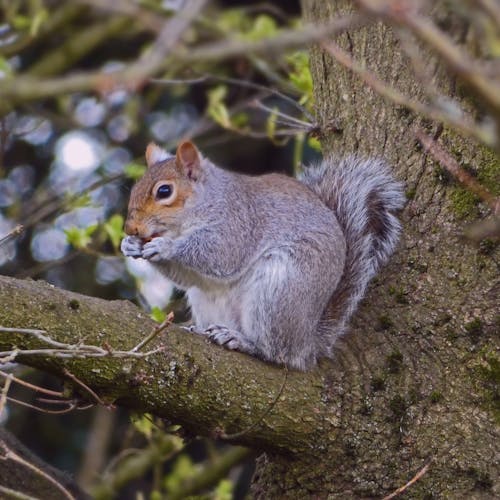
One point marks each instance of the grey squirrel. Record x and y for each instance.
(272, 266)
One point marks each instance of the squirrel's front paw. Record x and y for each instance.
(131, 246)
(157, 249)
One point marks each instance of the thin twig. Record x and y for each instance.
(413, 480)
(30, 386)
(12, 234)
(84, 386)
(130, 9)
(241, 83)
(71, 406)
(288, 120)
(492, 8)
(50, 207)
(156, 331)
(152, 60)
(11, 455)
(455, 58)
(5, 391)
(459, 121)
(15, 495)
(26, 88)
(62, 350)
(73, 353)
(447, 161)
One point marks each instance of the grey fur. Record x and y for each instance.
(275, 267)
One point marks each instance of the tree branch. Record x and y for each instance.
(208, 390)
(26, 88)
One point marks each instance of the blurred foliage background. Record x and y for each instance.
(67, 163)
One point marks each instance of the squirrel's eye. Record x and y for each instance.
(164, 191)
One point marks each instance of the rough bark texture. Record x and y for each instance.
(417, 377)
(423, 350)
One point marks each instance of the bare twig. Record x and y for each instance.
(288, 120)
(151, 61)
(241, 83)
(455, 58)
(459, 121)
(11, 455)
(71, 405)
(26, 88)
(5, 391)
(11, 234)
(413, 480)
(287, 39)
(448, 162)
(492, 8)
(131, 9)
(84, 386)
(156, 331)
(62, 350)
(30, 386)
(16, 495)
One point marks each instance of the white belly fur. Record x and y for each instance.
(215, 308)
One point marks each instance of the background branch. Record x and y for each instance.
(26, 88)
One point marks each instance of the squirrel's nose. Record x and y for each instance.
(131, 227)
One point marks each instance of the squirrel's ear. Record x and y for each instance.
(188, 159)
(155, 154)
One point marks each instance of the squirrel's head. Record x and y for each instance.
(158, 198)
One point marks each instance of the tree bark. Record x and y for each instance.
(423, 349)
(416, 380)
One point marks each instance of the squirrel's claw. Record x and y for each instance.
(131, 246)
(220, 335)
(157, 250)
(230, 339)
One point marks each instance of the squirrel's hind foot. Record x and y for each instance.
(224, 336)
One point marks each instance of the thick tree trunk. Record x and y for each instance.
(420, 366)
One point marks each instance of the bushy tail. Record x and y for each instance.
(364, 196)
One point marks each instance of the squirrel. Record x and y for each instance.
(272, 266)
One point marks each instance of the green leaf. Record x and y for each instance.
(224, 490)
(143, 424)
(264, 26)
(314, 143)
(114, 229)
(240, 119)
(271, 124)
(158, 314)
(300, 74)
(82, 201)
(80, 237)
(232, 20)
(181, 470)
(21, 22)
(134, 171)
(40, 17)
(216, 108)
(155, 495)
